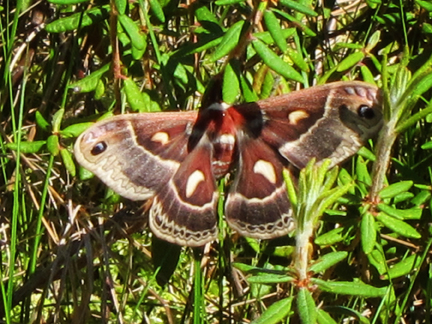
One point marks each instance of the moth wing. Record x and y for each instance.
(184, 209)
(331, 121)
(135, 154)
(257, 204)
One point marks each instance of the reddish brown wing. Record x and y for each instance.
(136, 154)
(331, 121)
(257, 204)
(142, 156)
(184, 209)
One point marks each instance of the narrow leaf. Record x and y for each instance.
(404, 267)
(306, 306)
(324, 318)
(68, 161)
(121, 6)
(229, 41)
(275, 62)
(395, 189)
(276, 312)
(27, 147)
(72, 22)
(297, 6)
(412, 213)
(157, 10)
(270, 279)
(133, 31)
(42, 122)
(327, 261)
(352, 288)
(368, 233)
(398, 226)
(66, 2)
(133, 94)
(231, 84)
(53, 145)
(75, 130)
(57, 119)
(90, 82)
(275, 30)
(350, 61)
(331, 237)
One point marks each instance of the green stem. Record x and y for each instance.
(386, 140)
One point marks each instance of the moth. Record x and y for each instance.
(175, 158)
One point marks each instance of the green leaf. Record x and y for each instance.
(133, 31)
(52, 144)
(373, 40)
(57, 119)
(395, 189)
(366, 153)
(291, 189)
(26, 147)
(203, 14)
(268, 39)
(270, 279)
(90, 82)
(398, 226)
(66, 2)
(229, 41)
(275, 30)
(352, 288)
(425, 5)
(368, 233)
(248, 93)
(89, 17)
(427, 28)
(427, 146)
(100, 90)
(328, 260)
(367, 75)
(412, 213)
(84, 174)
(298, 59)
(297, 6)
(364, 179)
(276, 312)
(350, 61)
(331, 237)
(404, 267)
(42, 122)
(121, 6)
(378, 261)
(133, 95)
(231, 83)
(297, 22)
(306, 306)
(137, 53)
(421, 198)
(324, 318)
(75, 130)
(274, 62)
(68, 161)
(157, 10)
(228, 2)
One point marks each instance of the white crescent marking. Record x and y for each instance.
(160, 137)
(193, 181)
(266, 169)
(297, 115)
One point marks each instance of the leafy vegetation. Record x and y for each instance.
(74, 252)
